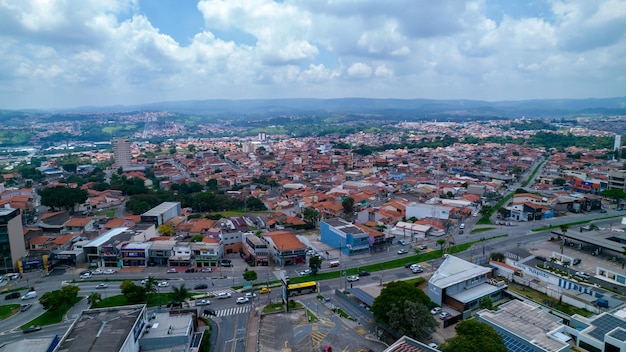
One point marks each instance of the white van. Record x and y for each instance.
(29, 295)
(462, 225)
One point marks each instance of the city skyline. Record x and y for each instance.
(93, 53)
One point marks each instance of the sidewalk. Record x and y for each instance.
(254, 326)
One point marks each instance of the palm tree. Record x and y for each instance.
(441, 242)
(94, 298)
(563, 228)
(566, 267)
(180, 294)
(150, 284)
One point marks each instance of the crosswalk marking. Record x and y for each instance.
(244, 308)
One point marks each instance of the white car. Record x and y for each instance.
(241, 300)
(163, 284)
(444, 315)
(223, 295)
(109, 271)
(203, 302)
(207, 270)
(250, 294)
(97, 272)
(85, 276)
(305, 272)
(435, 310)
(102, 285)
(353, 278)
(171, 271)
(433, 345)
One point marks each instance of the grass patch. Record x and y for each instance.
(109, 213)
(482, 229)
(310, 317)
(120, 300)
(548, 301)
(8, 310)
(52, 317)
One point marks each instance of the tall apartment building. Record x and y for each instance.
(121, 152)
(12, 245)
(617, 179)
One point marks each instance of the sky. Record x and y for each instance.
(73, 53)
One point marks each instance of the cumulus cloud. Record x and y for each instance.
(67, 53)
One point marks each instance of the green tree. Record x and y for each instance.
(250, 275)
(255, 204)
(412, 319)
(94, 298)
(486, 303)
(498, 257)
(62, 197)
(615, 194)
(315, 263)
(311, 215)
(441, 242)
(396, 292)
(559, 181)
(181, 294)
(474, 336)
(348, 205)
(196, 238)
(166, 230)
(150, 285)
(132, 292)
(57, 300)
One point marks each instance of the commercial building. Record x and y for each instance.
(527, 327)
(161, 213)
(12, 246)
(348, 238)
(462, 285)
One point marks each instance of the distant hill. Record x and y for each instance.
(399, 108)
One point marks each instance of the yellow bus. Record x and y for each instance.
(302, 288)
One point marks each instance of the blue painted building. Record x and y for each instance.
(347, 237)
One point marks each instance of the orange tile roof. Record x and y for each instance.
(285, 240)
(78, 222)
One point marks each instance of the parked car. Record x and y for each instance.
(223, 295)
(29, 295)
(435, 310)
(417, 269)
(171, 271)
(402, 242)
(402, 251)
(13, 295)
(109, 271)
(422, 247)
(207, 270)
(203, 302)
(352, 278)
(25, 307)
(582, 275)
(97, 272)
(190, 270)
(201, 287)
(242, 300)
(31, 328)
(85, 276)
(433, 345)
(576, 261)
(225, 262)
(305, 272)
(102, 285)
(364, 273)
(444, 315)
(163, 284)
(265, 290)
